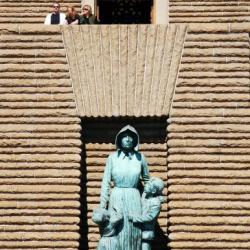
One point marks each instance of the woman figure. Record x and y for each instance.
(124, 168)
(71, 16)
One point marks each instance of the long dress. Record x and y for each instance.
(125, 170)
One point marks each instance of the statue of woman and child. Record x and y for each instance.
(125, 218)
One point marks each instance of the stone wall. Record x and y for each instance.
(45, 76)
(208, 141)
(39, 142)
(207, 11)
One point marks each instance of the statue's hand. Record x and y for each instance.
(130, 217)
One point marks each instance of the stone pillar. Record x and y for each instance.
(161, 11)
(92, 3)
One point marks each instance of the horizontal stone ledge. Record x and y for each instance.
(208, 181)
(226, 189)
(209, 150)
(213, 44)
(50, 104)
(39, 244)
(40, 142)
(39, 165)
(39, 120)
(196, 52)
(30, 38)
(202, 158)
(193, 104)
(40, 180)
(31, 45)
(209, 220)
(38, 113)
(36, 97)
(214, 82)
(201, 74)
(40, 158)
(208, 120)
(46, 91)
(37, 173)
(212, 60)
(209, 205)
(40, 220)
(39, 150)
(227, 37)
(208, 112)
(16, 53)
(39, 212)
(209, 166)
(29, 29)
(34, 75)
(211, 212)
(219, 28)
(230, 237)
(235, 90)
(40, 188)
(208, 135)
(64, 83)
(212, 97)
(208, 244)
(203, 197)
(40, 228)
(36, 68)
(38, 205)
(40, 135)
(220, 67)
(27, 236)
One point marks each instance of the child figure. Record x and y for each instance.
(151, 206)
(107, 223)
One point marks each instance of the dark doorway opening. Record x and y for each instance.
(125, 11)
(98, 135)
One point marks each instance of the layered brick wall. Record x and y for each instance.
(39, 142)
(46, 82)
(209, 11)
(208, 141)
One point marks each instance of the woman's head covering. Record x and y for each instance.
(132, 131)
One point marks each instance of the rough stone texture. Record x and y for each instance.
(209, 11)
(208, 141)
(30, 11)
(39, 138)
(130, 70)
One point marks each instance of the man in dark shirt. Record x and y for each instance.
(87, 17)
(55, 17)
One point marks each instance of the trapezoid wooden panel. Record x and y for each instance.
(124, 70)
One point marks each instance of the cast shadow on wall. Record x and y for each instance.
(102, 132)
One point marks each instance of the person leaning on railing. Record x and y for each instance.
(56, 17)
(71, 16)
(87, 17)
